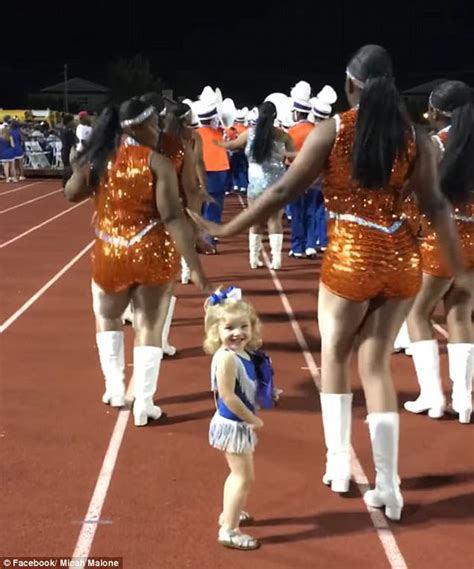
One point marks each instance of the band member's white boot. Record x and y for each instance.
(110, 346)
(146, 371)
(276, 245)
(185, 271)
(127, 316)
(426, 359)
(336, 409)
(168, 350)
(255, 246)
(461, 370)
(384, 435)
(402, 341)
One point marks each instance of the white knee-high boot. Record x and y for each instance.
(112, 361)
(168, 350)
(146, 370)
(461, 369)
(426, 359)
(255, 246)
(127, 316)
(185, 271)
(402, 341)
(276, 245)
(336, 411)
(384, 431)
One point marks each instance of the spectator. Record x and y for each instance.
(83, 130)
(7, 155)
(69, 141)
(18, 147)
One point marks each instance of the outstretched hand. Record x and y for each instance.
(210, 227)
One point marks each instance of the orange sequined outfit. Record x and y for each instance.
(372, 249)
(132, 245)
(432, 258)
(410, 209)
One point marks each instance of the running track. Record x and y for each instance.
(155, 498)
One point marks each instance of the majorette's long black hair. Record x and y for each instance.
(382, 122)
(264, 133)
(454, 100)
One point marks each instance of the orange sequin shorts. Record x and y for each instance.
(153, 260)
(432, 259)
(361, 262)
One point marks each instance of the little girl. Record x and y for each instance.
(232, 331)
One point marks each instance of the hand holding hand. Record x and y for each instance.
(210, 227)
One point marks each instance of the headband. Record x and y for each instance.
(357, 82)
(232, 293)
(185, 114)
(139, 118)
(441, 112)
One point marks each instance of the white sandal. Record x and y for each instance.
(235, 540)
(243, 518)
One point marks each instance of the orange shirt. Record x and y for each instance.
(215, 158)
(299, 132)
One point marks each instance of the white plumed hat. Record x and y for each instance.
(229, 112)
(281, 101)
(300, 96)
(207, 106)
(205, 111)
(241, 114)
(252, 116)
(208, 95)
(322, 104)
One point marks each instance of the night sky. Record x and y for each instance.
(255, 49)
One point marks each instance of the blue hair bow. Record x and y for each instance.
(231, 293)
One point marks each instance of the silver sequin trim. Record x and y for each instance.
(118, 241)
(366, 223)
(464, 218)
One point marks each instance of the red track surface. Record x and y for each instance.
(162, 505)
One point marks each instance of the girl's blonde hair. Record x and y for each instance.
(215, 313)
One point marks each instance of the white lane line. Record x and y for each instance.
(5, 325)
(13, 239)
(30, 201)
(92, 517)
(439, 329)
(384, 533)
(18, 189)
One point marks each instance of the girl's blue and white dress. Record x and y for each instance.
(227, 432)
(262, 176)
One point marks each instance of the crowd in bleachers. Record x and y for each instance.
(33, 145)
